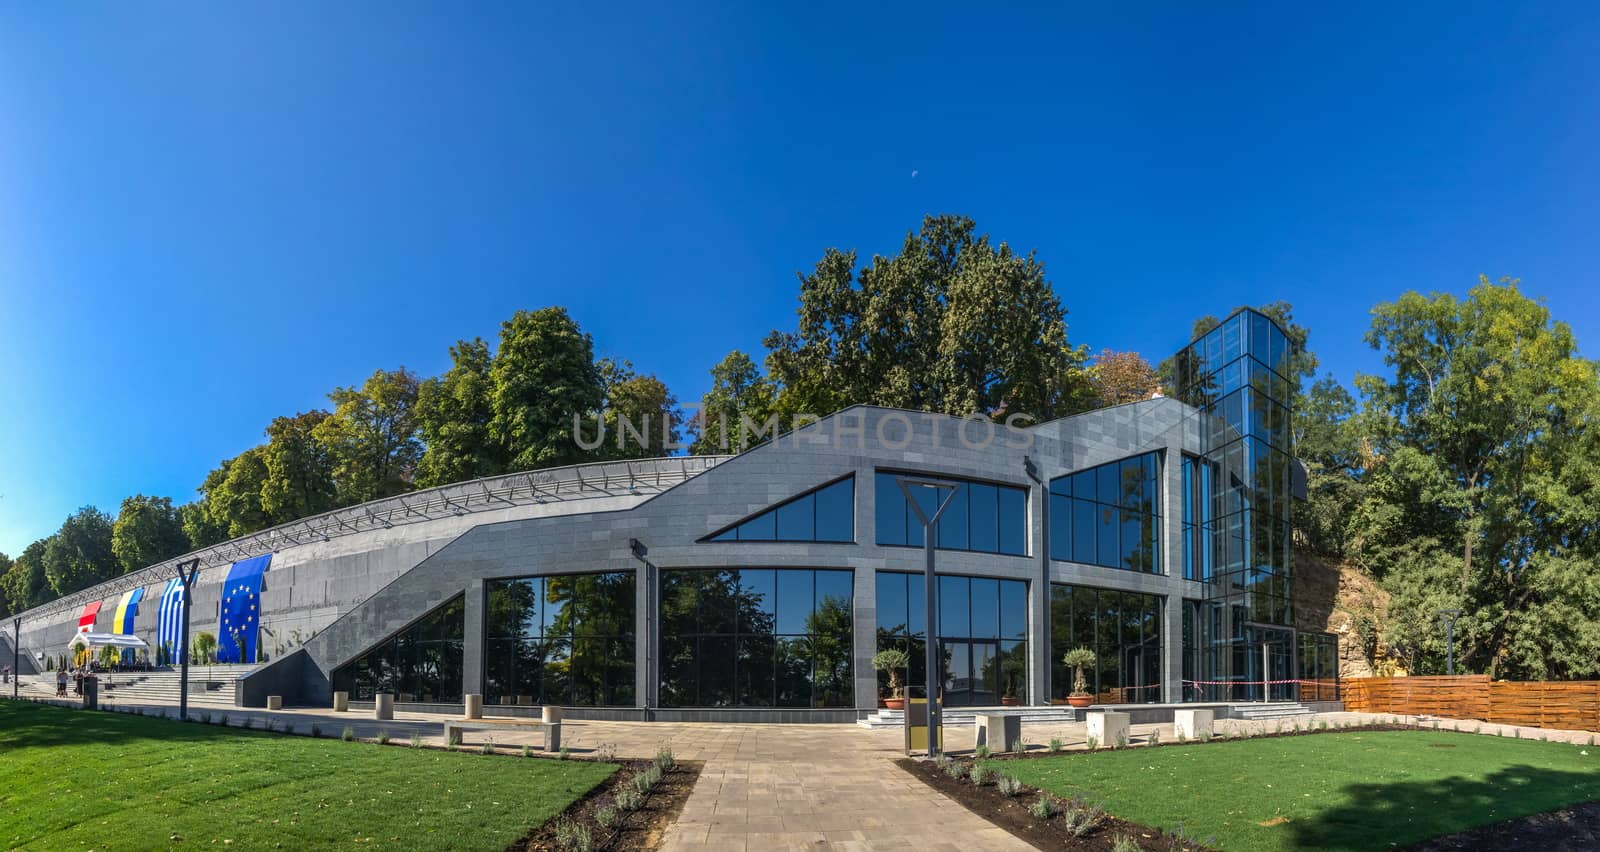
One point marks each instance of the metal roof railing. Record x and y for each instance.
(531, 487)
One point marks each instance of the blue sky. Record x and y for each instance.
(212, 214)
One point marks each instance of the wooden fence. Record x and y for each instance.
(1573, 705)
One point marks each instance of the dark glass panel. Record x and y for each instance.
(1135, 550)
(717, 657)
(619, 677)
(1014, 670)
(953, 523)
(1060, 527)
(832, 684)
(835, 590)
(797, 519)
(1107, 484)
(890, 511)
(795, 600)
(679, 687)
(1107, 520)
(758, 601)
(1085, 612)
(1013, 609)
(794, 664)
(1084, 526)
(719, 591)
(498, 669)
(679, 602)
(762, 527)
(891, 594)
(757, 672)
(557, 680)
(729, 534)
(917, 603)
(836, 511)
(927, 497)
(983, 506)
(557, 595)
(588, 671)
(954, 607)
(985, 608)
(1013, 521)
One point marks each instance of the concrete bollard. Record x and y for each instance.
(341, 702)
(474, 708)
(999, 731)
(383, 705)
(1192, 724)
(274, 702)
(1108, 728)
(550, 714)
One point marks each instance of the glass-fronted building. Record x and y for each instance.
(760, 586)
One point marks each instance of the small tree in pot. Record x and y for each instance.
(893, 661)
(1012, 671)
(1079, 658)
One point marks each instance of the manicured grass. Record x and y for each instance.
(73, 779)
(1348, 790)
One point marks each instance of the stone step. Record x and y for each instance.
(966, 716)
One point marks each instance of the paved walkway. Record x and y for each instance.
(778, 787)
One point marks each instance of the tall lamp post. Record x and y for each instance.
(186, 574)
(930, 523)
(16, 656)
(1447, 617)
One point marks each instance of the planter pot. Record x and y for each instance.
(1080, 700)
(1010, 701)
(894, 703)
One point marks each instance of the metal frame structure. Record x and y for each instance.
(533, 487)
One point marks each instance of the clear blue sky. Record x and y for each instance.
(211, 214)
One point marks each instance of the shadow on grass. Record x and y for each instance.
(1399, 814)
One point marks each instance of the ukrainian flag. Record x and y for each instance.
(127, 611)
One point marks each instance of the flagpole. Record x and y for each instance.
(186, 574)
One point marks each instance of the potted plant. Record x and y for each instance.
(1011, 670)
(893, 661)
(1078, 658)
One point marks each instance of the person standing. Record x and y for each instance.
(61, 683)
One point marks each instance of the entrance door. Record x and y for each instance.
(1268, 660)
(972, 672)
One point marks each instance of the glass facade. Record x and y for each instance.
(983, 632)
(981, 517)
(1319, 667)
(1124, 631)
(1109, 515)
(565, 639)
(825, 514)
(757, 637)
(1236, 508)
(422, 663)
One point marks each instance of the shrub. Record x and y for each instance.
(573, 837)
(455, 737)
(349, 735)
(316, 731)
(1124, 843)
(628, 799)
(609, 817)
(416, 740)
(527, 751)
(978, 776)
(664, 759)
(1183, 737)
(383, 738)
(1044, 807)
(1080, 818)
(487, 747)
(223, 721)
(1092, 744)
(646, 780)
(1155, 738)
(955, 769)
(1122, 741)
(983, 752)
(288, 728)
(562, 755)
(1056, 745)
(1008, 785)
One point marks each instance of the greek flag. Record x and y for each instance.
(239, 614)
(169, 629)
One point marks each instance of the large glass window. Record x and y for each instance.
(983, 632)
(1109, 515)
(756, 637)
(422, 663)
(564, 639)
(825, 514)
(981, 517)
(1124, 631)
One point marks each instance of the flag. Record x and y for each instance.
(127, 611)
(87, 616)
(169, 632)
(239, 614)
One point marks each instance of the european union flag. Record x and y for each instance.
(239, 615)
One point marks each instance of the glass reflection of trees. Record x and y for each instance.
(1108, 515)
(422, 663)
(563, 639)
(1124, 631)
(756, 637)
(983, 631)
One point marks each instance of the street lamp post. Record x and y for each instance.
(16, 656)
(929, 525)
(1447, 617)
(186, 574)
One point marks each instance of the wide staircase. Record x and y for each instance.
(1270, 710)
(210, 686)
(960, 717)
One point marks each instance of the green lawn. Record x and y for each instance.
(1348, 790)
(73, 779)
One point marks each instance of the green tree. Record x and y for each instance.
(5, 599)
(951, 324)
(543, 377)
(453, 414)
(299, 469)
(79, 555)
(147, 530)
(372, 436)
(739, 403)
(24, 584)
(635, 408)
(200, 527)
(1328, 443)
(1481, 490)
(230, 497)
(1120, 377)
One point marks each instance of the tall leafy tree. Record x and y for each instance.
(952, 323)
(740, 398)
(371, 436)
(1119, 377)
(24, 584)
(453, 413)
(230, 497)
(147, 530)
(1483, 481)
(543, 376)
(299, 469)
(79, 554)
(199, 526)
(641, 416)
